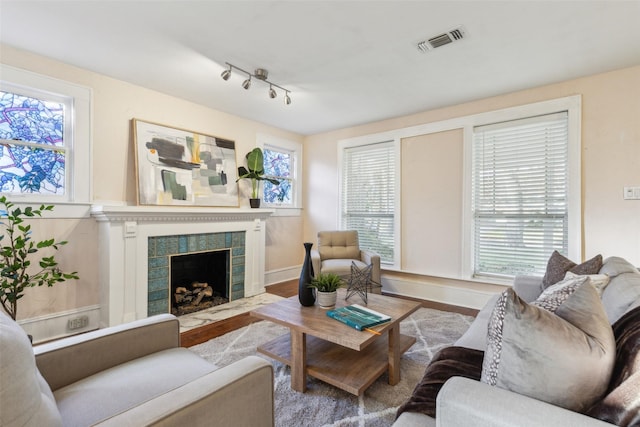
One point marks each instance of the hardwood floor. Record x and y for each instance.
(286, 290)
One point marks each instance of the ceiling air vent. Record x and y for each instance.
(443, 39)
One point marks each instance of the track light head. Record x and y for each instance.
(272, 92)
(247, 83)
(226, 74)
(287, 98)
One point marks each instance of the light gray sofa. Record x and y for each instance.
(134, 374)
(463, 402)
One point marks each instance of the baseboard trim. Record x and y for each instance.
(55, 326)
(445, 294)
(282, 275)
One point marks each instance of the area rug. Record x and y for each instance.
(325, 405)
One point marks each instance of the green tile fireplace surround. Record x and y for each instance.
(161, 248)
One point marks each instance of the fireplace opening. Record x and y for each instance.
(199, 281)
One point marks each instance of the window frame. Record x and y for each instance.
(295, 149)
(78, 179)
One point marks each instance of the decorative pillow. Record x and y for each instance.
(564, 358)
(599, 281)
(449, 362)
(25, 398)
(558, 265)
(621, 405)
(555, 295)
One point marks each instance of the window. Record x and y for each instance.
(520, 189)
(368, 202)
(282, 160)
(45, 140)
(34, 133)
(278, 165)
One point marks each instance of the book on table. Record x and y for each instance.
(358, 317)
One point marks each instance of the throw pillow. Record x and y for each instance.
(555, 295)
(621, 405)
(599, 281)
(449, 362)
(25, 397)
(564, 358)
(558, 265)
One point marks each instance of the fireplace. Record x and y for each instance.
(136, 244)
(199, 281)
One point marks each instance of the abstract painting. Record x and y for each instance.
(182, 167)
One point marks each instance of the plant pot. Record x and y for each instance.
(326, 299)
(254, 203)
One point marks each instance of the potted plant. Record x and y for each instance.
(16, 255)
(326, 286)
(255, 172)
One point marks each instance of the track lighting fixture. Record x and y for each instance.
(260, 74)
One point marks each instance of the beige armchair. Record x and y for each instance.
(134, 374)
(338, 249)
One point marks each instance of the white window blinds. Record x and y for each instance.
(519, 194)
(368, 196)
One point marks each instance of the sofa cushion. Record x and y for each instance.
(128, 385)
(564, 358)
(558, 265)
(623, 292)
(448, 362)
(621, 405)
(25, 397)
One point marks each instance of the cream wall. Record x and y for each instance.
(610, 160)
(115, 103)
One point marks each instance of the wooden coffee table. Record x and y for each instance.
(330, 351)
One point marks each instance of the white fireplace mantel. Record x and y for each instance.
(123, 249)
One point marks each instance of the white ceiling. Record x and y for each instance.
(345, 62)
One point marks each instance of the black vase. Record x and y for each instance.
(305, 293)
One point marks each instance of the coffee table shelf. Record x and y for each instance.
(350, 370)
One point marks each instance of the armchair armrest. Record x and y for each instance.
(239, 394)
(464, 402)
(527, 287)
(68, 360)
(315, 261)
(370, 257)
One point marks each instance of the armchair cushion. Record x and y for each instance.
(118, 389)
(25, 397)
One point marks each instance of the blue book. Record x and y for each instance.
(358, 317)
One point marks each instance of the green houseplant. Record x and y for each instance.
(16, 254)
(255, 172)
(326, 286)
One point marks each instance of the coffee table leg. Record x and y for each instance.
(394, 355)
(298, 361)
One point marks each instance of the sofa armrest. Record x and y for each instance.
(68, 360)
(240, 394)
(464, 402)
(370, 257)
(528, 287)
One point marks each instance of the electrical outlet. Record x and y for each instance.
(78, 322)
(631, 193)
